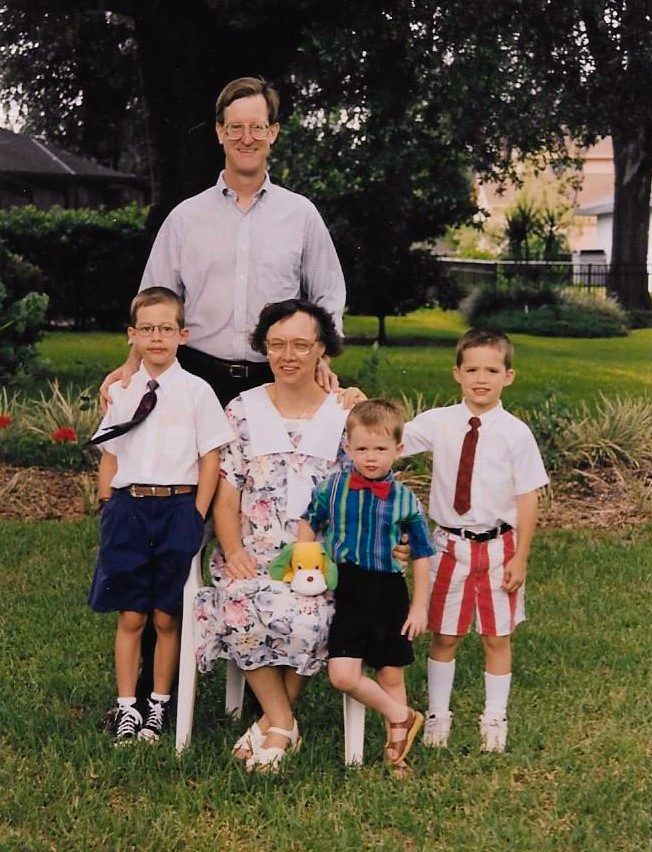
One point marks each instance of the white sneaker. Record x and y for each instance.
(493, 732)
(437, 729)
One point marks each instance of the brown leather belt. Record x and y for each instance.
(158, 490)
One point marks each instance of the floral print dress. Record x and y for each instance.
(259, 621)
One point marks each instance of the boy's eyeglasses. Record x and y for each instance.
(235, 131)
(165, 330)
(298, 346)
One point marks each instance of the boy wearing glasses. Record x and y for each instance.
(157, 477)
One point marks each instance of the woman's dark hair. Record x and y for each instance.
(277, 311)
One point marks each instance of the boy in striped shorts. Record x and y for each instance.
(363, 514)
(486, 472)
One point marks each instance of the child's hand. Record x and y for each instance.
(514, 574)
(416, 622)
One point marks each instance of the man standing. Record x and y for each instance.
(239, 245)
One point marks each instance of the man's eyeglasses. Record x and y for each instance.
(165, 330)
(298, 346)
(235, 131)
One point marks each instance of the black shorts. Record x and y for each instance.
(370, 610)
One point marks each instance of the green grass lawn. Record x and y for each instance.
(576, 773)
(575, 776)
(570, 368)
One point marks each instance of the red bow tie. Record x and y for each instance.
(380, 488)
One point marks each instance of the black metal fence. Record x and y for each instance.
(587, 277)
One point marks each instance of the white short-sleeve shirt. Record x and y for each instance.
(507, 463)
(186, 423)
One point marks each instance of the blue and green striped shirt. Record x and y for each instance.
(364, 529)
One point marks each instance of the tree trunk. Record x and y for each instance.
(628, 280)
(382, 331)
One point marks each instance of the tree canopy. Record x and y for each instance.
(392, 100)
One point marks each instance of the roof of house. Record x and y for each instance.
(24, 155)
(600, 207)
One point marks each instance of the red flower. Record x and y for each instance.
(5, 420)
(64, 435)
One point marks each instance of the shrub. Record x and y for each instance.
(50, 431)
(521, 295)
(572, 315)
(22, 311)
(91, 260)
(618, 431)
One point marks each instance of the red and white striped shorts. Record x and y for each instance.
(466, 578)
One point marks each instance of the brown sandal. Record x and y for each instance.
(411, 725)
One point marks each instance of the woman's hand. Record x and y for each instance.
(240, 565)
(347, 397)
(402, 551)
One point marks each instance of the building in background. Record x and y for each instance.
(32, 172)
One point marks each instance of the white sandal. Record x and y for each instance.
(251, 739)
(269, 759)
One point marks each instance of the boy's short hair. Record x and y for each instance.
(475, 337)
(378, 415)
(245, 87)
(157, 296)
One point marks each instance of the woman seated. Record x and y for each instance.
(290, 436)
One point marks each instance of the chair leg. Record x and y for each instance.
(187, 682)
(354, 719)
(187, 666)
(235, 684)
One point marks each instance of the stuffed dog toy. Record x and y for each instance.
(306, 566)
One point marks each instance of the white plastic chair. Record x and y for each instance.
(354, 711)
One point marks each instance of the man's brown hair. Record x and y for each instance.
(475, 337)
(245, 87)
(157, 296)
(378, 415)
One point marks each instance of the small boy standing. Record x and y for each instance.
(157, 477)
(486, 472)
(363, 514)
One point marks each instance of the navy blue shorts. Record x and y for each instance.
(370, 610)
(146, 547)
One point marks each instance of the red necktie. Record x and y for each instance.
(462, 501)
(145, 407)
(380, 488)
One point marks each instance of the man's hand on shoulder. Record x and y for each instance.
(325, 377)
(121, 374)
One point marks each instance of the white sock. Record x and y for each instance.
(440, 686)
(496, 689)
(126, 701)
(161, 699)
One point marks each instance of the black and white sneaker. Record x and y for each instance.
(127, 724)
(156, 721)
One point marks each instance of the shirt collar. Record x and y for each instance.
(486, 418)
(224, 189)
(389, 476)
(166, 379)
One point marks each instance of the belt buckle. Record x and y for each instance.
(238, 371)
(464, 534)
(132, 491)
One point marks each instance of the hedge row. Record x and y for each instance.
(91, 260)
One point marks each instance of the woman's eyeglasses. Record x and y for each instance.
(300, 347)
